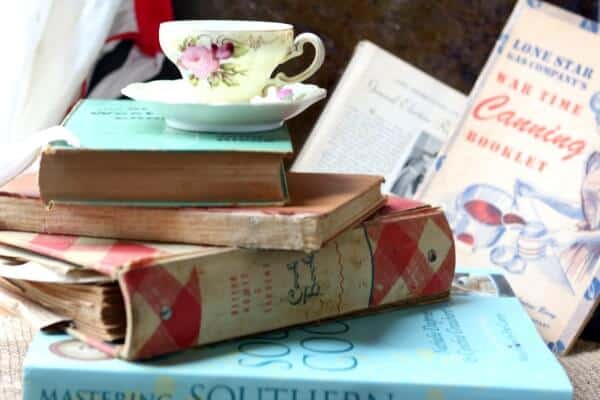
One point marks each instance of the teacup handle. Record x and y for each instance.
(297, 50)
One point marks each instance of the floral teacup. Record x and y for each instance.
(232, 61)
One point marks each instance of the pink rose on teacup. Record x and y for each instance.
(203, 61)
(200, 60)
(232, 61)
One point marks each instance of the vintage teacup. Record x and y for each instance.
(232, 61)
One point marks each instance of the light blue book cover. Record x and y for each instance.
(130, 125)
(476, 347)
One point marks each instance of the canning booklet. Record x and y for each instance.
(520, 177)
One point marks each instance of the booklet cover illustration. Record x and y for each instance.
(520, 177)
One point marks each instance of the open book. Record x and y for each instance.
(386, 118)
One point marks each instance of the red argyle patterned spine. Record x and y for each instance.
(384, 262)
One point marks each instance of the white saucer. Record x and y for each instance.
(174, 100)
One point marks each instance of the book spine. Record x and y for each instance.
(184, 225)
(189, 302)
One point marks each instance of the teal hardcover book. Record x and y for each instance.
(129, 125)
(128, 156)
(476, 347)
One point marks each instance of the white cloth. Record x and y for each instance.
(18, 155)
(49, 47)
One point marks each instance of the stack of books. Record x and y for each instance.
(146, 240)
(134, 277)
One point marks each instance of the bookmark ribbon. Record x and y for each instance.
(16, 157)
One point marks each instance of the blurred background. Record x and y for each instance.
(449, 39)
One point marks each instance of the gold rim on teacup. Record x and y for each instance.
(229, 61)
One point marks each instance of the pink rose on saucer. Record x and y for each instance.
(285, 93)
(201, 61)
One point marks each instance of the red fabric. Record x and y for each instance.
(149, 15)
(123, 36)
(83, 91)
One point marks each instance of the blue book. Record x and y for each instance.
(127, 155)
(476, 347)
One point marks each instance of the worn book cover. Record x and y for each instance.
(173, 297)
(323, 206)
(127, 155)
(520, 178)
(477, 346)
